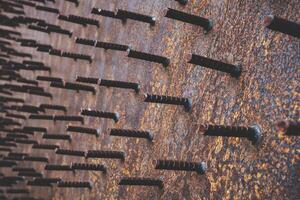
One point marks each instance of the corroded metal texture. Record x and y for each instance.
(267, 90)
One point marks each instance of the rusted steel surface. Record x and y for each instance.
(268, 90)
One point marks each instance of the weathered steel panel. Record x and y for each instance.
(268, 90)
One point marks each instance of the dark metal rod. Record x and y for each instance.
(188, 18)
(90, 167)
(131, 133)
(120, 84)
(57, 137)
(181, 165)
(66, 184)
(187, 103)
(124, 15)
(58, 167)
(45, 146)
(252, 133)
(80, 129)
(139, 181)
(282, 25)
(233, 70)
(289, 127)
(87, 80)
(106, 154)
(70, 152)
(95, 113)
(149, 57)
(68, 118)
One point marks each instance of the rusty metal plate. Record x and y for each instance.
(268, 90)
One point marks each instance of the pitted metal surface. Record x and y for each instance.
(267, 90)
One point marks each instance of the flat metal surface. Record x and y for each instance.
(268, 90)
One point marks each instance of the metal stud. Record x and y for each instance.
(252, 133)
(131, 133)
(149, 57)
(282, 25)
(106, 154)
(141, 181)
(94, 113)
(187, 103)
(188, 18)
(233, 70)
(181, 165)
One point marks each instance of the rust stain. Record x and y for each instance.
(267, 91)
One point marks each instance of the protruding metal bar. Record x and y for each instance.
(87, 80)
(11, 99)
(106, 154)
(84, 20)
(55, 52)
(76, 2)
(58, 85)
(131, 133)
(24, 80)
(77, 56)
(124, 15)
(67, 184)
(282, 25)
(17, 116)
(187, 103)
(141, 181)
(38, 28)
(53, 107)
(80, 129)
(181, 165)
(233, 70)
(111, 46)
(188, 18)
(30, 62)
(28, 109)
(149, 57)
(43, 182)
(70, 152)
(47, 9)
(25, 141)
(16, 154)
(45, 146)
(14, 135)
(44, 94)
(17, 191)
(57, 137)
(5, 149)
(6, 163)
(30, 174)
(58, 168)
(94, 113)
(81, 20)
(34, 129)
(60, 30)
(252, 133)
(105, 13)
(120, 84)
(77, 87)
(69, 118)
(289, 127)
(42, 117)
(23, 169)
(36, 159)
(90, 167)
(15, 179)
(14, 158)
(85, 41)
(8, 144)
